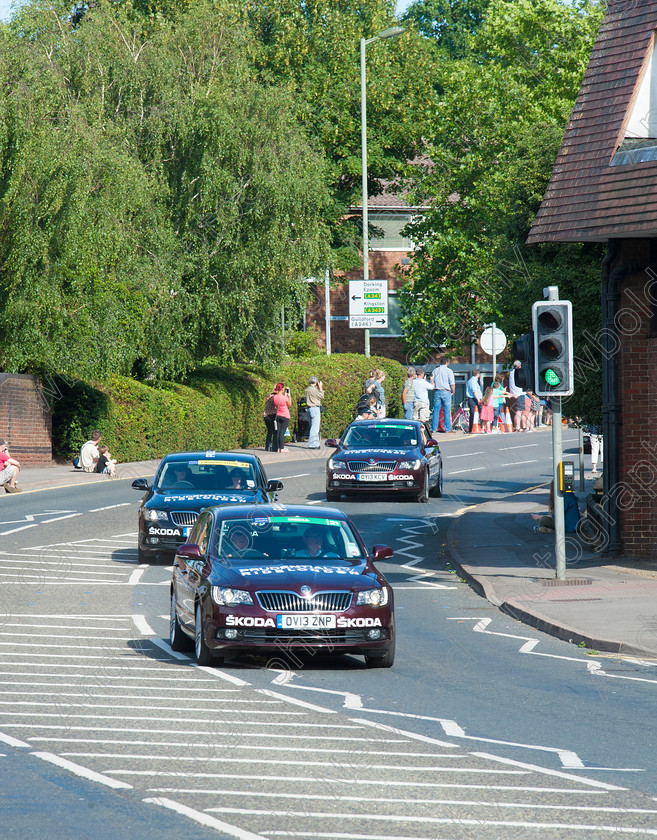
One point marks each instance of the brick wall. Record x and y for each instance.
(637, 367)
(25, 420)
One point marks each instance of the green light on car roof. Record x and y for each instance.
(552, 377)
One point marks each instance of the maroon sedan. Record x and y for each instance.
(280, 580)
(385, 456)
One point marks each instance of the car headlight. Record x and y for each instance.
(372, 598)
(410, 465)
(334, 464)
(227, 597)
(153, 515)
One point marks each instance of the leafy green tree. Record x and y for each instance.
(157, 202)
(452, 23)
(495, 138)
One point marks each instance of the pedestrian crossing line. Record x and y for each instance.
(351, 739)
(231, 759)
(605, 809)
(456, 821)
(204, 819)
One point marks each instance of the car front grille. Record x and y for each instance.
(365, 466)
(314, 638)
(183, 517)
(277, 601)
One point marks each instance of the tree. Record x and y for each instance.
(494, 141)
(452, 23)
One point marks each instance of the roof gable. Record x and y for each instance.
(604, 181)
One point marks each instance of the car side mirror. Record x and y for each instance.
(332, 442)
(431, 442)
(141, 484)
(380, 552)
(189, 551)
(274, 484)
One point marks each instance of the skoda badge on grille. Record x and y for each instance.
(305, 591)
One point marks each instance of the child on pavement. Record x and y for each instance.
(487, 410)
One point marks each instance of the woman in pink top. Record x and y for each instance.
(282, 401)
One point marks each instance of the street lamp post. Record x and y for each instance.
(387, 33)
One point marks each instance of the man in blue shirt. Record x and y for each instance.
(474, 395)
(421, 388)
(444, 387)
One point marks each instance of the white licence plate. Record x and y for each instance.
(185, 531)
(302, 622)
(372, 476)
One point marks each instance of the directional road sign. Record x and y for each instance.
(368, 304)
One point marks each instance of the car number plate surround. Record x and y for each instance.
(372, 477)
(305, 621)
(186, 530)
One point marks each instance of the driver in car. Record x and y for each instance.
(181, 476)
(313, 540)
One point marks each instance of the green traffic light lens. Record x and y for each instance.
(552, 377)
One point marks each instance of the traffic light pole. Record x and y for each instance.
(559, 523)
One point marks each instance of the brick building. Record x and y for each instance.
(389, 257)
(25, 419)
(604, 188)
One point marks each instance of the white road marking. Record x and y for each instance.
(470, 469)
(464, 455)
(83, 772)
(521, 446)
(558, 773)
(457, 821)
(413, 735)
(142, 625)
(136, 576)
(12, 742)
(204, 819)
(57, 518)
(109, 507)
(298, 475)
(269, 693)
(22, 528)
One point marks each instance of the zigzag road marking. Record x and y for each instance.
(593, 666)
(414, 559)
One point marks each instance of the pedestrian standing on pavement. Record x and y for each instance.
(379, 393)
(9, 469)
(518, 397)
(499, 393)
(487, 412)
(269, 416)
(596, 447)
(421, 388)
(89, 454)
(443, 393)
(408, 394)
(282, 401)
(474, 395)
(314, 395)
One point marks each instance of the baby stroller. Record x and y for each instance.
(302, 425)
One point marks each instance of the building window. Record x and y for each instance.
(394, 328)
(390, 224)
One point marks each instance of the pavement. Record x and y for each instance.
(602, 605)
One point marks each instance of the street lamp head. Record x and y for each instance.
(393, 32)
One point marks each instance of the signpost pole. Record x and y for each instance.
(327, 311)
(559, 523)
(494, 353)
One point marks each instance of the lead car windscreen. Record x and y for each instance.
(381, 436)
(282, 537)
(205, 474)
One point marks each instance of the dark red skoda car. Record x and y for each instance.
(280, 580)
(384, 456)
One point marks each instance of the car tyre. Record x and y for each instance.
(178, 639)
(201, 650)
(142, 557)
(381, 661)
(437, 491)
(423, 495)
(332, 496)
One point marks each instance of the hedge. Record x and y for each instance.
(216, 408)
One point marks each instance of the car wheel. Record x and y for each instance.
(437, 491)
(201, 650)
(378, 661)
(423, 495)
(177, 638)
(332, 496)
(142, 557)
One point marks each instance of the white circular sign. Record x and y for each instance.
(488, 345)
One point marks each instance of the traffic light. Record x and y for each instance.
(523, 351)
(553, 347)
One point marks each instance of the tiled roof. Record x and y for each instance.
(587, 199)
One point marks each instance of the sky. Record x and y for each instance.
(5, 7)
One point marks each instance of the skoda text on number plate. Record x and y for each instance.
(372, 476)
(302, 621)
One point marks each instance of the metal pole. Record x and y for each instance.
(494, 354)
(559, 524)
(363, 146)
(581, 459)
(327, 311)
